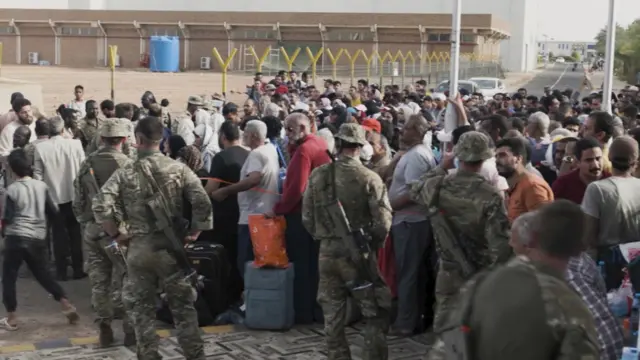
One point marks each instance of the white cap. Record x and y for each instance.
(443, 136)
(438, 96)
(301, 106)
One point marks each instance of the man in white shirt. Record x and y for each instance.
(11, 114)
(56, 162)
(22, 108)
(258, 186)
(78, 104)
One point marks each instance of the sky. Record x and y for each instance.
(580, 20)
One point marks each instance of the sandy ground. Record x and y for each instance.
(58, 84)
(40, 316)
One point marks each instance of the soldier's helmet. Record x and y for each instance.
(352, 133)
(115, 128)
(473, 146)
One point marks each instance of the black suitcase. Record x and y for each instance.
(211, 263)
(213, 268)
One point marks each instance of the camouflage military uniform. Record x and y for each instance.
(364, 198)
(127, 147)
(474, 211)
(567, 330)
(147, 265)
(87, 130)
(106, 268)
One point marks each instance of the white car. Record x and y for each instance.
(488, 87)
(468, 85)
(560, 60)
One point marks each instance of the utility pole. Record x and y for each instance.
(451, 119)
(609, 58)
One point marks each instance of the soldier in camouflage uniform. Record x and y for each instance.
(476, 223)
(186, 123)
(127, 148)
(106, 290)
(364, 199)
(129, 191)
(525, 309)
(89, 125)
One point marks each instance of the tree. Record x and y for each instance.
(551, 55)
(575, 55)
(627, 48)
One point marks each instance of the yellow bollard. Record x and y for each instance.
(314, 62)
(113, 54)
(334, 61)
(224, 66)
(260, 60)
(290, 60)
(369, 59)
(352, 62)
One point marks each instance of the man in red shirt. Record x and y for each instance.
(307, 153)
(588, 158)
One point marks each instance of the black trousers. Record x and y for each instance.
(67, 240)
(34, 253)
(303, 250)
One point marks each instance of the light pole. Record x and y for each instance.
(451, 119)
(609, 58)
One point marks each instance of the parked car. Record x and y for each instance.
(560, 60)
(489, 86)
(468, 85)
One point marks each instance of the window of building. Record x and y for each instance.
(468, 38)
(349, 35)
(168, 31)
(79, 31)
(258, 34)
(439, 37)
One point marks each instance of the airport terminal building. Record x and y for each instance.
(78, 33)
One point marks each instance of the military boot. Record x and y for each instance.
(106, 335)
(129, 334)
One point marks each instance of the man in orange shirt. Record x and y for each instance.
(526, 192)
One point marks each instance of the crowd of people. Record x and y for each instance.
(551, 179)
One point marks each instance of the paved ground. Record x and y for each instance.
(561, 77)
(223, 342)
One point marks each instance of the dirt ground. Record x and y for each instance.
(58, 84)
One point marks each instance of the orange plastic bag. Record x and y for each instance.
(267, 238)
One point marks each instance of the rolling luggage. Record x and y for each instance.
(213, 268)
(268, 297)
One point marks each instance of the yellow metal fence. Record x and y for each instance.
(398, 67)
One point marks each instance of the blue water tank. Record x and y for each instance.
(164, 54)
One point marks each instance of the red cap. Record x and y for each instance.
(372, 125)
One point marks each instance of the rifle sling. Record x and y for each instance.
(435, 204)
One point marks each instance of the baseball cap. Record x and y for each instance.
(372, 125)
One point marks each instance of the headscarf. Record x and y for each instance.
(209, 146)
(191, 156)
(176, 143)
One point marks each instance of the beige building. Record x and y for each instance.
(81, 38)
